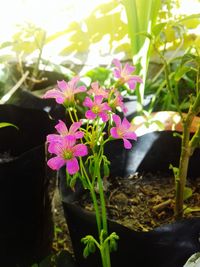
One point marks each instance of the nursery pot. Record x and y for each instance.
(24, 97)
(26, 228)
(169, 245)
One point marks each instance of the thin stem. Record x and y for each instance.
(183, 169)
(70, 115)
(36, 67)
(93, 195)
(7, 96)
(167, 75)
(75, 114)
(103, 207)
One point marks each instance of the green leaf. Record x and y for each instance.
(156, 30)
(181, 72)
(177, 135)
(73, 180)
(89, 241)
(194, 16)
(106, 170)
(113, 241)
(91, 247)
(160, 124)
(190, 210)
(99, 74)
(86, 252)
(175, 172)
(193, 261)
(6, 124)
(187, 193)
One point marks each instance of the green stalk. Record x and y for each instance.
(168, 82)
(93, 195)
(142, 16)
(37, 65)
(183, 169)
(187, 148)
(105, 248)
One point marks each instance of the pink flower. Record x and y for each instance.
(118, 101)
(97, 108)
(97, 90)
(123, 130)
(65, 92)
(66, 152)
(63, 131)
(124, 74)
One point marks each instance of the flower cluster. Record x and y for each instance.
(101, 104)
(99, 124)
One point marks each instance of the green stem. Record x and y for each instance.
(195, 141)
(75, 114)
(70, 115)
(37, 65)
(187, 148)
(183, 169)
(105, 248)
(168, 82)
(93, 195)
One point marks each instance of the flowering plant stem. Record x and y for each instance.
(101, 217)
(188, 145)
(187, 148)
(70, 145)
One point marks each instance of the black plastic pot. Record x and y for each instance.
(26, 228)
(167, 246)
(24, 97)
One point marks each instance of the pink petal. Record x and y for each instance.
(90, 115)
(74, 127)
(95, 85)
(69, 141)
(72, 166)
(80, 150)
(125, 123)
(98, 99)
(73, 82)
(117, 63)
(128, 69)
(136, 78)
(113, 132)
(117, 120)
(55, 163)
(88, 102)
(80, 89)
(55, 94)
(79, 135)
(133, 80)
(117, 73)
(56, 146)
(127, 144)
(61, 128)
(105, 107)
(62, 85)
(130, 135)
(124, 109)
(104, 116)
(131, 84)
(53, 137)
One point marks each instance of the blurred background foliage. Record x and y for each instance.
(130, 30)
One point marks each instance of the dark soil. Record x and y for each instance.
(61, 234)
(143, 202)
(140, 202)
